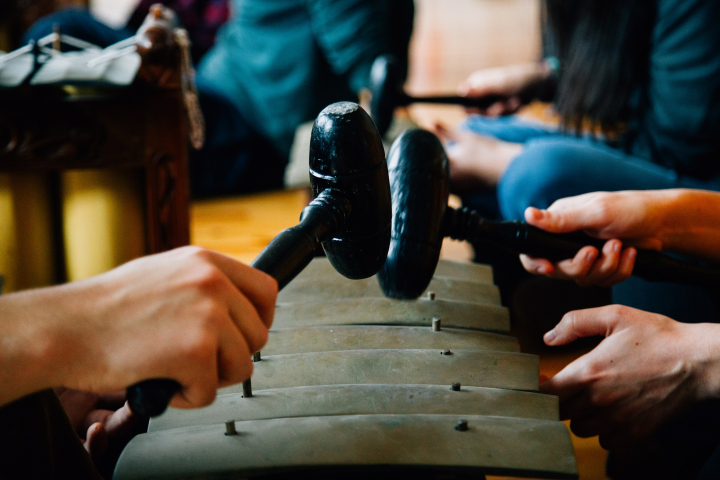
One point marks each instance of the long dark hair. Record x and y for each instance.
(604, 49)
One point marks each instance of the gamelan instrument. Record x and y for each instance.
(388, 94)
(422, 218)
(349, 217)
(113, 124)
(43, 62)
(353, 384)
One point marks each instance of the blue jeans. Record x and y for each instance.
(555, 165)
(79, 24)
(235, 158)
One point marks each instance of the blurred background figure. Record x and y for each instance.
(278, 64)
(201, 18)
(635, 84)
(273, 66)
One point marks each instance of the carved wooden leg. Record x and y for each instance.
(166, 174)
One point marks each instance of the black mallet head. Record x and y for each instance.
(386, 90)
(347, 156)
(419, 184)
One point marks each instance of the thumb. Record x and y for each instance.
(97, 441)
(563, 221)
(121, 421)
(443, 133)
(583, 323)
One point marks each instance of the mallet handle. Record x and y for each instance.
(293, 249)
(476, 102)
(518, 237)
(283, 259)
(650, 265)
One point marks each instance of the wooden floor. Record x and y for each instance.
(452, 39)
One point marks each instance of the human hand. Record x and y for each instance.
(631, 216)
(476, 161)
(190, 314)
(97, 419)
(510, 82)
(647, 370)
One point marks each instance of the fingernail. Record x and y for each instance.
(632, 253)
(616, 247)
(590, 256)
(538, 214)
(550, 336)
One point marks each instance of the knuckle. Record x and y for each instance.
(579, 268)
(569, 321)
(255, 340)
(199, 347)
(602, 207)
(208, 314)
(626, 270)
(240, 373)
(206, 396)
(603, 204)
(209, 280)
(193, 251)
(269, 288)
(617, 312)
(589, 374)
(244, 371)
(261, 338)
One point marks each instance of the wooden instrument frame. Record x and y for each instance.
(142, 127)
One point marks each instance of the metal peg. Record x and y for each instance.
(230, 428)
(436, 324)
(56, 39)
(431, 295)
(256, 357)
(455, 387)
(462, 426)
(247, 389)
(446, 352)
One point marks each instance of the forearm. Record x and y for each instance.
(690, 222)
(32, 344)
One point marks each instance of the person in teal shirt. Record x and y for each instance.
(274, 66)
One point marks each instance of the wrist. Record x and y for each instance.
(705, 344)
(28, 345)
(668, 216)
(57, 330)
(74, 350)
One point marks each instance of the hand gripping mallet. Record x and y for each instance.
(387, 94)
(350, 216)
(422, 218)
